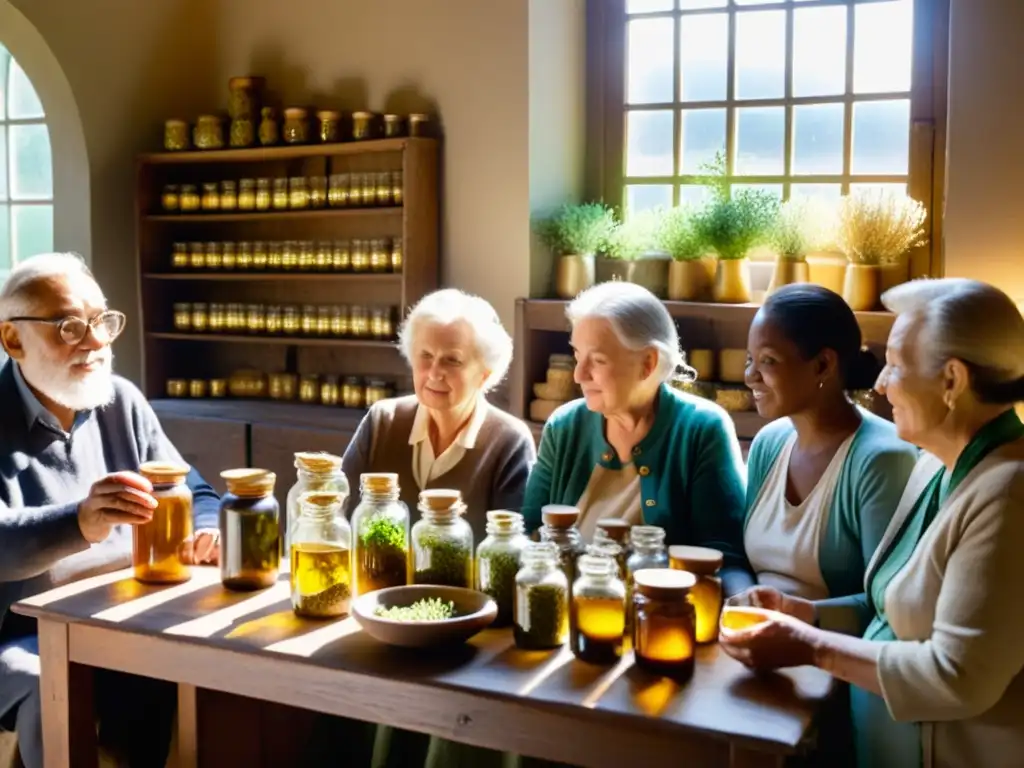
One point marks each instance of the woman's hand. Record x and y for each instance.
(781, 641)
(202, 548)
(772, 599)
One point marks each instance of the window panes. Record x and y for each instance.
(689, 5)
(5, 240)
(703, 135)
(881, 137)
(643, 197)
(818, 191)
(704, 56)
(5, 63)
(22, 101)
(650, 61)
(761, 55)
(32, 230)
(649, 143)
(818, 139)
(819, 51)
(881, 54)
(694, 194)
(31, 174)
(648, 6)
(760, 141)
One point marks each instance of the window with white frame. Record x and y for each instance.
(26, 168)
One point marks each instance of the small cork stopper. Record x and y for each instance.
(245, 81)
(663, 583)
(615, 528)
(296, 112)
(502, 516)
(322, 499)
(164, 472)
(700, 561)
(440, 499)
(317, 463)
(249, 482)
(328, 114)
(362, 115)
(378, 482)
(559, 515)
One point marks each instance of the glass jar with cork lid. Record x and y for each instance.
(541, 599)
(380, 552)
(560, 529)
(320, 555)
(313, 472)
(498, 559)
(250, 542)
(157, 545)
(597, 614)
(664, 631)
(442, 541)
(706, 593)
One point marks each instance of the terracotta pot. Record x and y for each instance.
(573, 273)
(861, 287)
(827, 270)
(732, 281)
(649, 272)
(691, 280)
(787, 272)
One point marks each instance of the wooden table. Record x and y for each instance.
(487, 693)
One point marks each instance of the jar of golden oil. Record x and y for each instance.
(280, 196)
(309, 388)
(338, 191)
(380, 555)
(397, 258)
(179, 256)
(339, 320)
(182, 316)
(228, 196)
(200, 317)
(260, 259)
(442, 541)
(321, 556)
(375, 391)
(664, 631)
(211, 197)
(250, 544)
(359, 322)
(157, 545)
(328, 126)
(170, 198)
(360, 255)
(264, 195)
(706, 594)
(188, 198)
(176, 136)
(353, 393)
(380, 256)
(314, 472)
(247, 195)
(218, 318)
(214, 255)
(317, 191)
(597, 615)
(541, 599)
(298, 193)
(329, 390)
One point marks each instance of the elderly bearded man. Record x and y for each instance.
(71, 437)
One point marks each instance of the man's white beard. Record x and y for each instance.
(82, 392)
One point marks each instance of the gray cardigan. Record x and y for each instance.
(492, 475)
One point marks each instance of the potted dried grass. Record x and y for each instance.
(876, 229)
(804, 226)
(691, 273)
(576, 233)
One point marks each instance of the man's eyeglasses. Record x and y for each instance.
(106, 326)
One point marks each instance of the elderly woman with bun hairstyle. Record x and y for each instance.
(936, 677)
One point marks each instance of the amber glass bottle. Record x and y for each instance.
(597, 616)
(156, 546)
(706, 594)
(664, 623)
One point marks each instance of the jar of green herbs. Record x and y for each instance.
(560, 529)
(380, 556)
(442, 541)
(498, 559)
(541, 599)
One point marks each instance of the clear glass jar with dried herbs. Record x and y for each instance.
(541, 599)
(250, 544)
(321, 556)
(381, 526)
(157, 546)
(498, 560)
(559, 528)
(442, 541)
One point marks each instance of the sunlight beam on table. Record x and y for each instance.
(218, 621)
(606, 681)
(311, 642)
(558, 660)
(201, 578)
(77, 588)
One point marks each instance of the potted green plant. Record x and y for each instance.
(576, 233)
(691, 273)
(804, 226)
(876, 229)
(630, 254)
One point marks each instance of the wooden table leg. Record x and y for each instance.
(188, 728)
(745, 758)
(69, 718)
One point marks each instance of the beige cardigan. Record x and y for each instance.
(958, 609)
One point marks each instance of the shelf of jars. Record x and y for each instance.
(249, 386)
(381, 256)
(288, 323)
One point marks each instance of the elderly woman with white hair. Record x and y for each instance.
(634, 447)
(936, 678)
(447, 435)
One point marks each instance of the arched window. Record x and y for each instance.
(26, 168)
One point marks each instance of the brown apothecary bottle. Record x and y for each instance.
(664, 625)
(157, 545)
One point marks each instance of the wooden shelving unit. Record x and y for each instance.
(542, 329)
(214, 434)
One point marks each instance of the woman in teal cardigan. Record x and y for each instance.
(824, 477)
(634, 447)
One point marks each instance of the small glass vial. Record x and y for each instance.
(378, 318)
(214, 258)
(197, 256)
(397, 188)
(375, 391)
(282, 386)
(360, 256)
(179, 256)
(156, 546)
(200, 317)
(255, 320)
(329, 393)
(309, 314)
(242, 260)
(296, 126)
(314, 472)
(341, 256)
(328, 126)
(323, 320)
(228, 196)
(247, 195)
(498, 559)
(397, 257)
(182, 316)
(706, 593)
(616, 531)
(355, 189)
(648, 544)
(359, 322)
(337, 193)
(170, 199)
(275, 255)
(442, 541)
(236, 317)
(419, 124)
(383, 195)
(264, 195)
(324, 255)
(664, 637)
(362, 125)
(211, 197)
(298, 193)
(541, 611)
(218, 319)
(369, 196)
(218, 388)
(243, 256)
(393, 126)
(321, 556)
(307, 255)
(197, 389)
(560, 529)
(281, 199)
(339, 321)
(250, 547)
(318, 192)
(380, 555)
(353, 392)
(309, 389)
(290, 255)
(273, 320)
(259, 254)
(597, 616)
(380, 258)
(188, 199)
(291, 320)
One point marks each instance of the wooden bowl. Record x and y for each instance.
(736, 618)
(474, 611)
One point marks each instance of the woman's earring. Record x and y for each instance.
(950, 402)
(821, 384)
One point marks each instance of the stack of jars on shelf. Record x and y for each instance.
(296, 193)
(347, 391)
(340, 321)
(382, 254)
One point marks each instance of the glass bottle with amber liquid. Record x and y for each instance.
(314, 472)
(250, 544)
(706, 594)
(380, 552)
(157, 545)
(664, 628)
(321, 564)
(597, 613)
